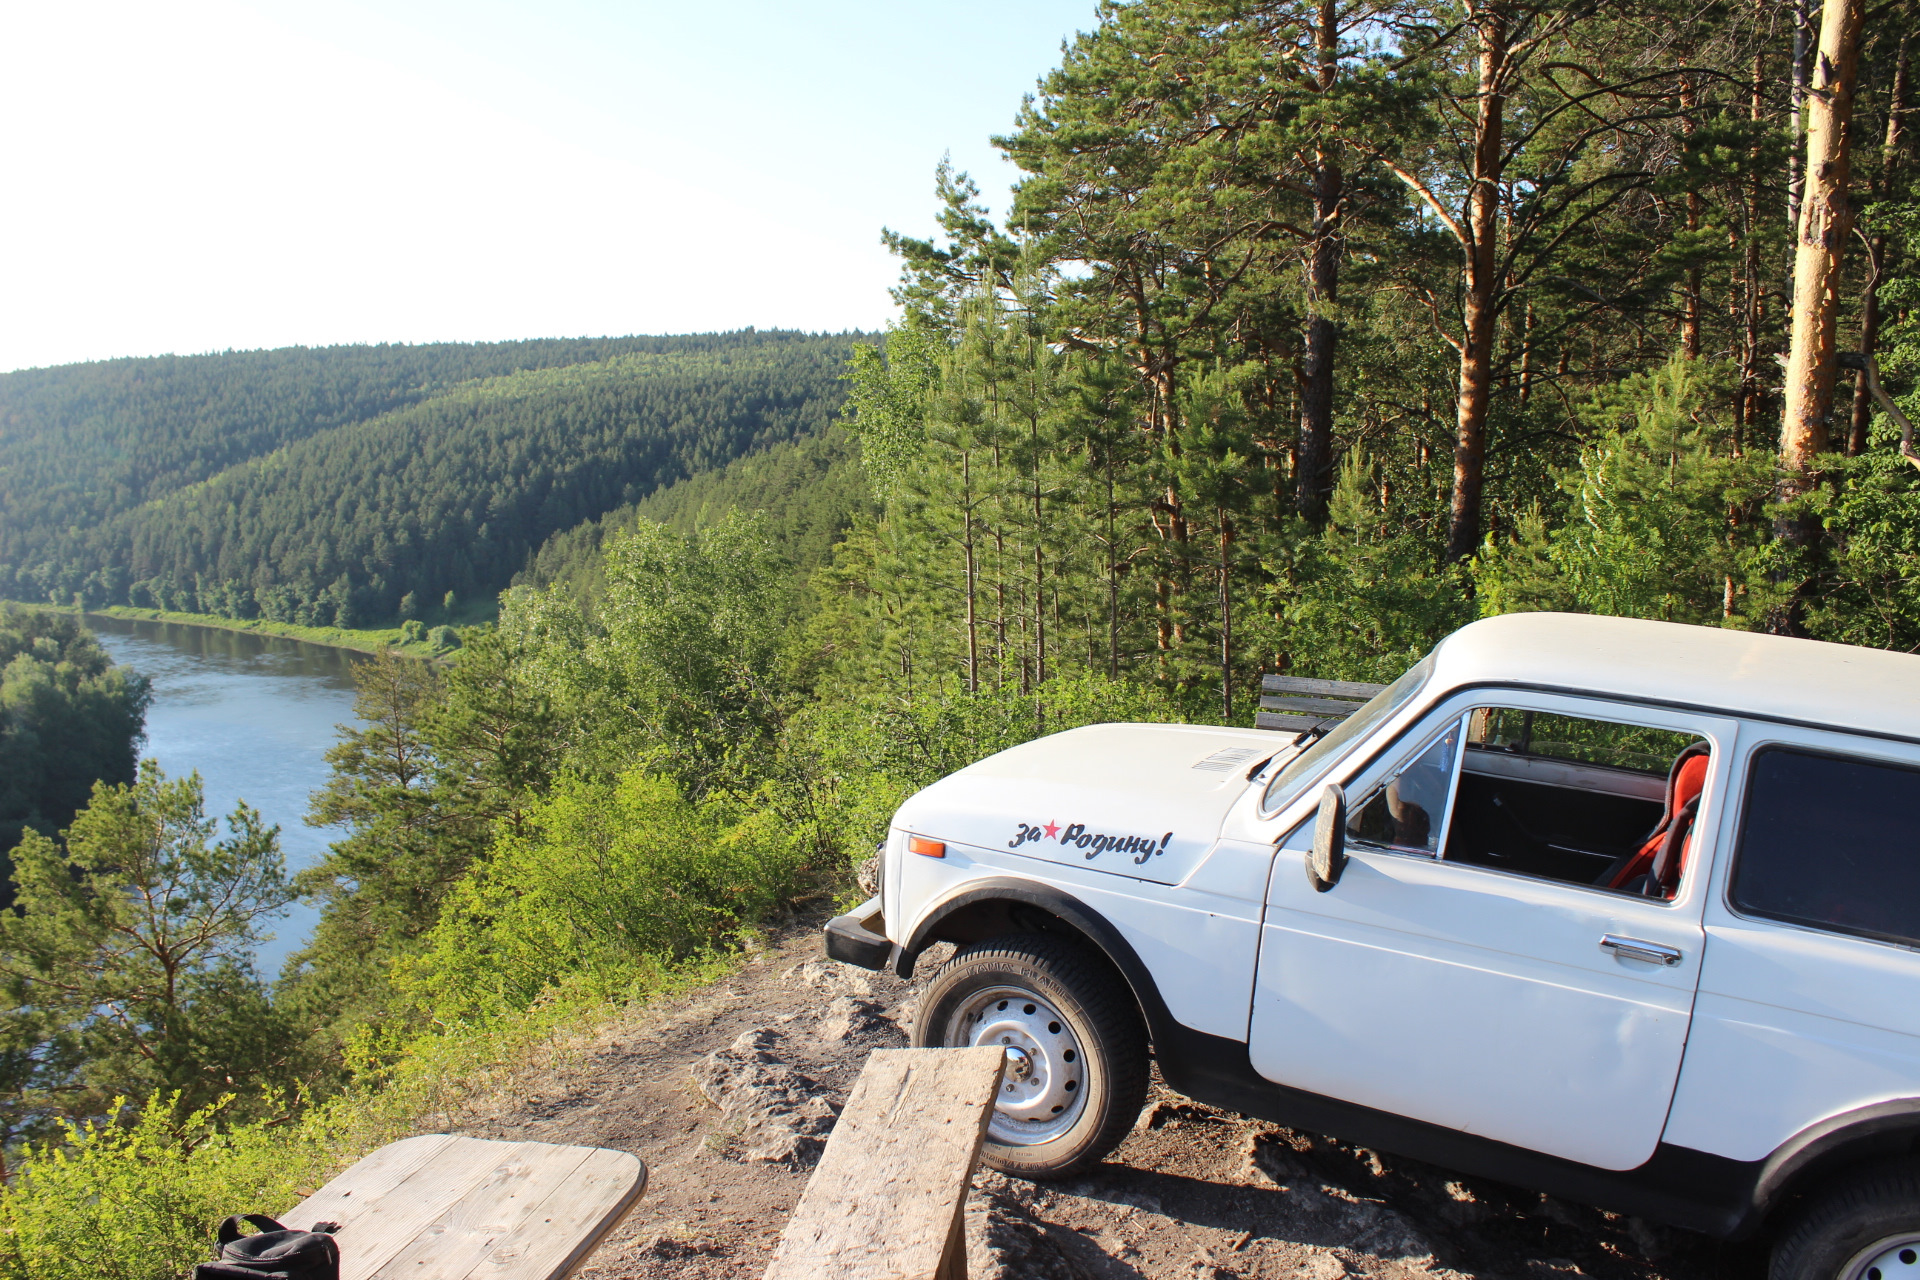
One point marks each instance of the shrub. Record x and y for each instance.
(413, 631)
(444, 637)
(141, 1202)
(611, 884)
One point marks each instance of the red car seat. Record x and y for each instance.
(1658, 862)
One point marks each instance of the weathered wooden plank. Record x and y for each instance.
(887, 1201)
(1289, 702)
(382, 1229)
(1270, 720)
(440, 1207)
(557, 1237)
(462, 1235)
(362, 1185)
(1336, 688)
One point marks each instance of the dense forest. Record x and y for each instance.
(1315, 331)
(357, 485)
(68, 718)
(812, 491)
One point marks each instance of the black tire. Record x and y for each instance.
(1089, 1071)
(1864, 1215)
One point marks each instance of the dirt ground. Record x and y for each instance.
(727, 1093)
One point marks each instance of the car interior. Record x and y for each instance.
(1583, 801)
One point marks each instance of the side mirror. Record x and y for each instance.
(1328, 857)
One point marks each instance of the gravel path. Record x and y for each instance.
(728, 1093)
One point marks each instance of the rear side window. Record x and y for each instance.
(1833, 843)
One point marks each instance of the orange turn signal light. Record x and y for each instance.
(922, 845)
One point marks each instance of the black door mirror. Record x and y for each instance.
(1328, 857)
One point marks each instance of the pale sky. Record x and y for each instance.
(197, 175)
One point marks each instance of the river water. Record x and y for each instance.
(256, 716)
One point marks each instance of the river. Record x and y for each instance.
(256, 716)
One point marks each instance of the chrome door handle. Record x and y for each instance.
(1635, 949)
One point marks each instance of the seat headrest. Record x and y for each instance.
(1692, 780)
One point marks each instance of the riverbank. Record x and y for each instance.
(382, 640)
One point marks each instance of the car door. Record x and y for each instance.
(1472, 997)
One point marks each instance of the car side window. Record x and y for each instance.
(1599, 803)
(1579, 799)
(1830, 842)
(1406, 812)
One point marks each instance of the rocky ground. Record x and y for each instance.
(728, 1093)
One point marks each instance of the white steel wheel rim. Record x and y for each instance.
(1894, 1258)
(1044, 1088)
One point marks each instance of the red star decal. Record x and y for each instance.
(1052, 829)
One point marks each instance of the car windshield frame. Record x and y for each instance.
(1300, 771)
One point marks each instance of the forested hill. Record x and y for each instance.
(327, 486)
(810, 491)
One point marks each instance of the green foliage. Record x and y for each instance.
(68, 718)
(1662, 519)
(1364, 599)
(141, 1201)
(442, 761)
(1870, 592)
(811, 491)
(610, 885)
(127, 959)
(680, 657)
(889, 399)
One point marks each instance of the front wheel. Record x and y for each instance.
(1865, 1226)
(1076, 1073)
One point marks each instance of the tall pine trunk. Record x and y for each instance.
(1696, 208)
(1314, 473)
(1877, 256)
(1826, 220)
(1482, 291)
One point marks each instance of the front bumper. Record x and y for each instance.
(850, 939)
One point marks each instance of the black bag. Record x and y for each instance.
(273, 1252)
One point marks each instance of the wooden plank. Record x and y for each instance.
(440, 1207)
(567, 1226)
(463, 1233)
(387, 1226)
(1328, 705)
(361, 1186)
(1269, 720)
(1335, 688)
(888, 1198)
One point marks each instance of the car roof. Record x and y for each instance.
(1742, 672)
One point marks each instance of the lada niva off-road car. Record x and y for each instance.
(1622, 911)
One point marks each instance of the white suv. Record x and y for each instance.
(1622, 911)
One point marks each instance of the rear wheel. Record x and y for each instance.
(1865, 1226)
(1076, 1072)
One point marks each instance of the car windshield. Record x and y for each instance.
(1304, 767)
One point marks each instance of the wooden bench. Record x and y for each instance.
(1295, 702)
(889, 1198)
(439, 1207)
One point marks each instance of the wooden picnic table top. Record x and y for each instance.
(440, 1207)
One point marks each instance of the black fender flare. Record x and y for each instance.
(1881, 1129)
(1071, 911)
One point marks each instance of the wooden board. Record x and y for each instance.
(1331, 706)
(887, 1201)
(1333, 688)
(439, 1207)
(1272, 720)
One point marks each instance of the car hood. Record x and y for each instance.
(1139, 800)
